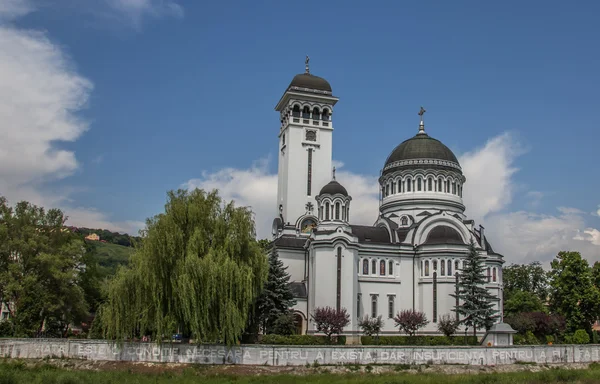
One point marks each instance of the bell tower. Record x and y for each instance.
(305, 146)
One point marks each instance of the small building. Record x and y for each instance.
(92, 237)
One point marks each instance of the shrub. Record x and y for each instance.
(298, 340)
(410, 321)
(331, 321)
(580, 337)
(284, 324)
(371, 326)
(418, 340)
(448, 325)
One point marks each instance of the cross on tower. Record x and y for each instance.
(333, 173)
(306, 64)
(422, 124)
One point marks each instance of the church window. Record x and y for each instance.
(439, 188)
(296, 111)
(365, 267)
(449, 267)
(400, 186)
(320, 212)
(419, 184)
(325, 115)
(435, 297)
(374, 267)
(306, 113)
(391, 306)
(404, 220)
(315, 114)
(453, 188)
(343, 213)
(408, 185)
(337, 211)
(443, 266)
(447, 186)
(459, 190)
(382, 268)
(358, 305)
(494, 277)
(429, 184)
(435, 265)
(393, 188)
(489, 276)
(456, 266)
(338, 303)
(347, 213)
(390, 268)
(373, 305)
(387, 190)
(309, 173)
(311, 135)
(326, 211)
(426, 267)
(464, 265)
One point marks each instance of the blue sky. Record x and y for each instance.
(181, 93)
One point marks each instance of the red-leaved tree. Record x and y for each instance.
(410, 321)
(330, 321)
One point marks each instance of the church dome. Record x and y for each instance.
(306, 80)
(420, 147)
(332, 188)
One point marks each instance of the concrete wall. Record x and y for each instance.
(296, 355)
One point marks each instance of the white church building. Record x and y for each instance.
(412, 254)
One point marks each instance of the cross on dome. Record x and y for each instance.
(422, 124)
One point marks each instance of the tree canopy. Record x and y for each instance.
(197, 270)
(530, 278)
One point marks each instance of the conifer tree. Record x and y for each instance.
(276, 297)
(477, 308)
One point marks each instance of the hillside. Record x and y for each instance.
(110, 256)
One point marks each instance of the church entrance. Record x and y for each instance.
(299, 323)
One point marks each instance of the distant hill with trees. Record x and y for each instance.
(110, 237)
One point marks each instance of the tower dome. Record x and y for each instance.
(333, 188)
(312, 82)
(334, 202)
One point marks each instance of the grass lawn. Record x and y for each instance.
(19, 372)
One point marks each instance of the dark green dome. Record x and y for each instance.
(306, 80)
(332, 188)
(420, 147)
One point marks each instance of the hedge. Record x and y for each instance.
(300, 340)
(418, 340)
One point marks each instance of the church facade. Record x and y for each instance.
(409, 258)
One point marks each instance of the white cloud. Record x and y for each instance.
(12, 9)
(598, 211)
(134, 11)
(521, 236)
(41, 94)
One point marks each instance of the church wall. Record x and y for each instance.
(294, 260)
(323, 279)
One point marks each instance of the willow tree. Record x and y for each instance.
(197, 270)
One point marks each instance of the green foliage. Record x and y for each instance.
(477, 302)
(526, 339)
(294, 340)
(109, 257)
(276, 297)
(522, 301)
(448, 325)
(530, 278)
(197, 270)
(284, 324)
(573, 293)
(418, 340)
(117, 238)
(6, 328)
(41, 270)
(580, 337)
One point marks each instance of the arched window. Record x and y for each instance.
(408, 184)
(382, 268)
(306, 113)
(374, 267)
(404, 220)
(439, 189)
(358, 305)
(373, 305)
(327, 211)
(347, 213)
(400, 186)
(393, 187)
(365, 267)
(316, 114)
(296, 111)
(343, 213)
(449, 267)
(337, 211)
(459, 190)
(426, 267)
(489, 275)
(453, 188)
(387, 190)
(419, 184)
(435, 265)
(390, 267)
(391, 306)
(447, 186)
(456, 266)
(443, 268)
(325, 115)
(494, 275)
(464, 265)
(430, 184)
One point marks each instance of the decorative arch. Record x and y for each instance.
(429, 223)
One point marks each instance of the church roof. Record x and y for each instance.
(332, 188)
(421, 146)
(290, 242)
(443, 234)
(367, 234)
(306, 80)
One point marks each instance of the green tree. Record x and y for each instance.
(477, 302)
(197, 270)
(573, 293)
(276, 297)
(41, 265)
(522, 301)
(530, 278)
